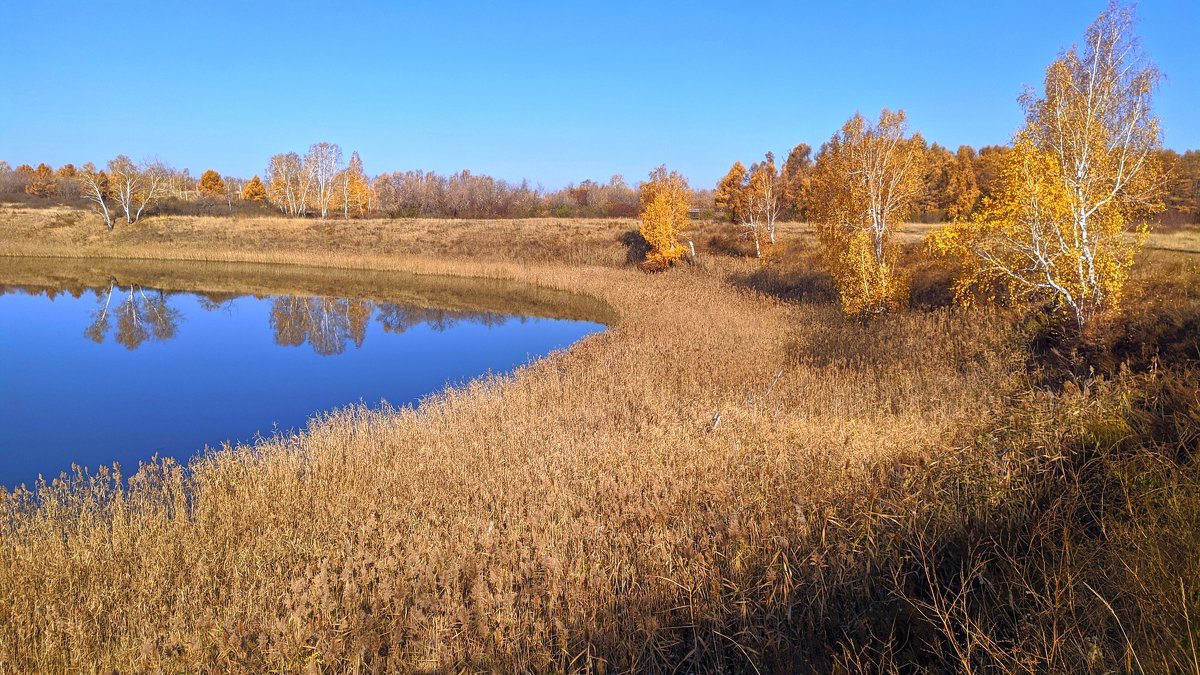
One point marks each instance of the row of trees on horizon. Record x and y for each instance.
(951, 186)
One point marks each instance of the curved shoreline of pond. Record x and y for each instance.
(710, 423)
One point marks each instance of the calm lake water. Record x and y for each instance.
(121, 372)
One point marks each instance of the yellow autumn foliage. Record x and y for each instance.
(254, 191)
(1069, 211)
(869, 285)
(211, 184)
(664, 215)
(730, 195)
(864, 182)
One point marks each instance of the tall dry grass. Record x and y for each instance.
(723, 481)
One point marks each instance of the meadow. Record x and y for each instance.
(734, 477)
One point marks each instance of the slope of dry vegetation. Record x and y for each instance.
(723, 481)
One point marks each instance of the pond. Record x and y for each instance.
(100, 366)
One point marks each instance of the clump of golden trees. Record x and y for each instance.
(42, 182)
(1083, 176)
(1055, 219)
(664, 199)
(864, 183)
(752, 199)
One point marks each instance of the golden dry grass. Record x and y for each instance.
(333, 242)
(722, 481)
(1179, 240)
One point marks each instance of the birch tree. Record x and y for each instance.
(138, 317)
(233, 190)
(1083, 171)
(752, 200)
(93, 186)
(136, 186)
(764, 200)
(865, 181)
(322, 164)
(288, 184)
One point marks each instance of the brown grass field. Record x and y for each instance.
(732, 478)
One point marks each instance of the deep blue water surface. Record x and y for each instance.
(117, 377)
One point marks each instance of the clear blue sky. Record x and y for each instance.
(550, 91)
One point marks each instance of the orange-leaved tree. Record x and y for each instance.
(730, 196)
(43, 183)
(664, 199)
(793, 182)
(211, 184)
(353, 193)
(962, 188)
(254, 191)
(865, 181)
(1082, 172)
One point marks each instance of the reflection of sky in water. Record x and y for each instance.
(169, 373)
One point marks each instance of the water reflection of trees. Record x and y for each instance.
(399, 318)
(325, 323)
(211, 302)
(137, 316)
(330, 324)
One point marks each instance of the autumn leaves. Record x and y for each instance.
(1075, 191)
(318, 183)
(664, 200)
(1063, 219)
(865, 181)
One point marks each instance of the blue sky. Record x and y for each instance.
(555, 92)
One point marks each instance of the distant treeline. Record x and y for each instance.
(315, 184)
(955, 183)
(320, 184)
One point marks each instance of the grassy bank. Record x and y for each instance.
(733, 478)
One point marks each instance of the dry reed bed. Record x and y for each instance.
(721, 481)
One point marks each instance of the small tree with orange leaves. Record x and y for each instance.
(211, 185)
(353, 195)
(664, 216)
(254, 191)
(730, 196)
